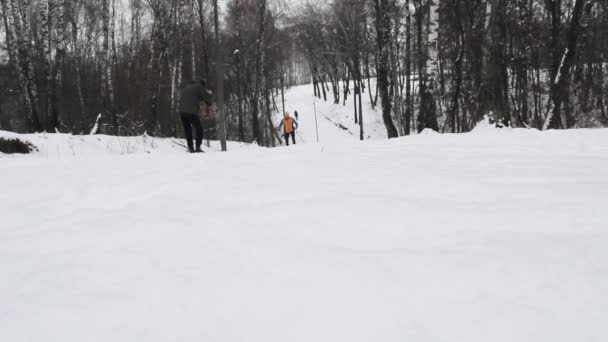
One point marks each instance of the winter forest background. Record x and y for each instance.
(437, 64)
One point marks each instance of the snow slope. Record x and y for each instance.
(497, 235)
(335, 121)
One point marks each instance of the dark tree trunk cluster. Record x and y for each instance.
(424, 64)
(447, 64)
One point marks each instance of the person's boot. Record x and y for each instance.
(198, 150)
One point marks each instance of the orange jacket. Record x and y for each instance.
(288, 125)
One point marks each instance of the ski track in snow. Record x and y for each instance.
(496, 235)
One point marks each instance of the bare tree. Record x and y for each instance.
(106, 75)
(219, 79)
(383, 21)
(560, 83)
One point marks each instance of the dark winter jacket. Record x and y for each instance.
(192, 95)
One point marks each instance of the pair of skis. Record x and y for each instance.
(179, 143)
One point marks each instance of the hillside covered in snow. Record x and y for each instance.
(335, 122)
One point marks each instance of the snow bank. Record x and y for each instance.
(485, 126)
(56, 145)
(495, 237)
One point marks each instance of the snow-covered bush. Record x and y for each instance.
(14, 145)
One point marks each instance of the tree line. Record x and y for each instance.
(122, 63)
(425, 64)
(445, 64)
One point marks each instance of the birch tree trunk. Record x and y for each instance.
(408, 69)
(204, 41)
(45, 8)
(20, 49)
(60, 39)
(107, 66)
(28, 53)
(192, 40)
(219, 79)
(428, 90)
(560, 83)
(259, 70)
(177, 56)
(78, 76)
(239, 81)
(457, 79)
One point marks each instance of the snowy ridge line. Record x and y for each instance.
(59, 145)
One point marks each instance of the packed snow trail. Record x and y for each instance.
(497, 235)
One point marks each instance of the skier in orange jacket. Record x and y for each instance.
(289, 126)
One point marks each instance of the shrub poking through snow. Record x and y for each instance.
(10, 146)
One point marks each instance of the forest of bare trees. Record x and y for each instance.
(425, 64)
(444, 64)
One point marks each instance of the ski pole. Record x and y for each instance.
(314, 104)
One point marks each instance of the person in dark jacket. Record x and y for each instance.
(192, 95)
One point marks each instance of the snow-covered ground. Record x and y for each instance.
(496, 235)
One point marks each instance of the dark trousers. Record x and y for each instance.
(293, 138)
(189, 121)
